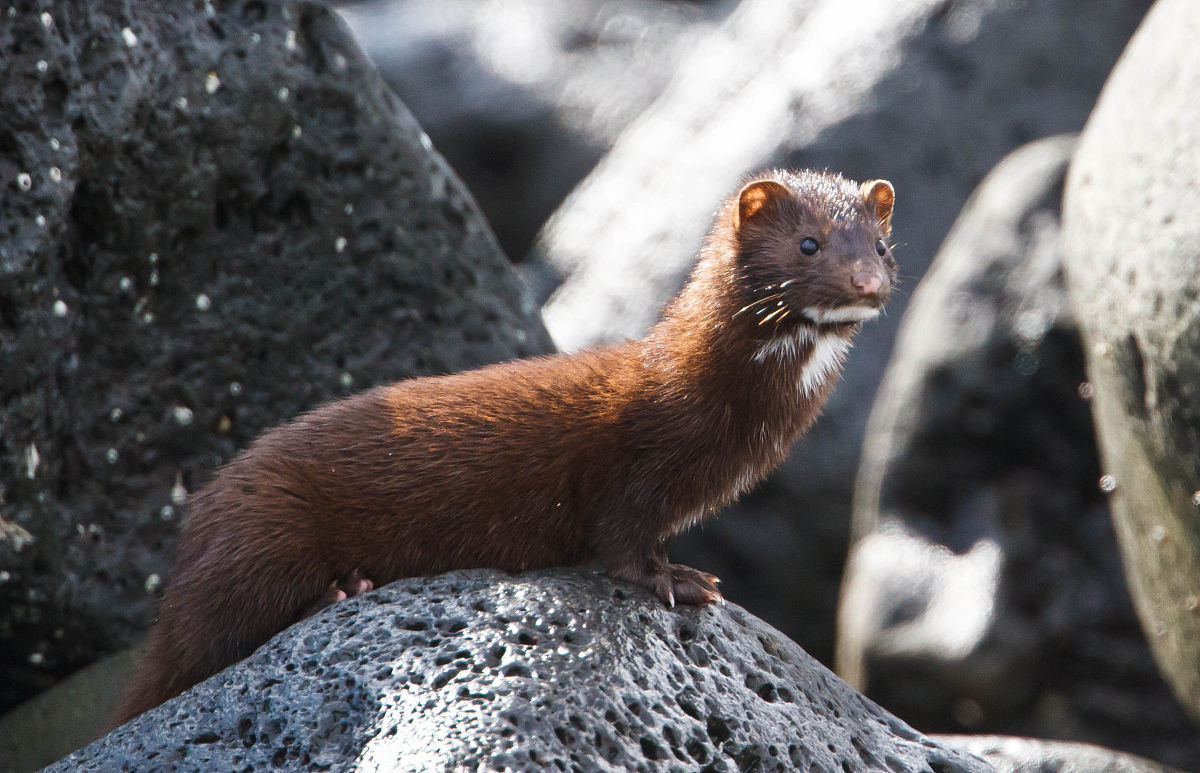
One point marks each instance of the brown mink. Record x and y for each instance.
(600, 456)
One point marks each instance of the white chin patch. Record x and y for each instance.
(827, 355)
(843, 314)
(787, 346)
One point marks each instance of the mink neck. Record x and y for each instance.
(705, 352)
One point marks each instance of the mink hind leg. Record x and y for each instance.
(339, 590)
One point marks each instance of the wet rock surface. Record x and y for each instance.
(545, 671)
(1136, 291)
(985, 591)
(212, 217)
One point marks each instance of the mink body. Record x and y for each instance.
(600, 456)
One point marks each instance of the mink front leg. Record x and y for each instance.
(673, 583)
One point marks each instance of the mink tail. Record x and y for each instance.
(206, 623)
(158, 678)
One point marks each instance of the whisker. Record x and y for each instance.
(752, 304)
(762, 321)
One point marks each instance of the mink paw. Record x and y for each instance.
(675, 584)
(353, 585)
(691, 586)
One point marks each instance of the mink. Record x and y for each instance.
(595, 457)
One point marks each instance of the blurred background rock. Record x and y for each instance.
(1135, 289)
(524, 97)
(985, 590)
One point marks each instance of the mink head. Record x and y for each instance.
(813, 249)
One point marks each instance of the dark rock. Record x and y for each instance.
(1032, 755)
(1132, 247)
(523, 98)
(930, 95)
(546, 671)
(213, 217)
(985, 591)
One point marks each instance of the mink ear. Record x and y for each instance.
(880, 196)
(754, 197)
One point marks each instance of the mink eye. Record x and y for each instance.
(809, 246)
(880, 247)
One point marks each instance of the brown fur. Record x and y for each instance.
(599, 456)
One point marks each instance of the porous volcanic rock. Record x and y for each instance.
(1132, 252)
(546, 671)
(984, 592)
(212, 217)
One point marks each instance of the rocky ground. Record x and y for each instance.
(540, 672)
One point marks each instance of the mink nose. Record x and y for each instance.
(867, 283)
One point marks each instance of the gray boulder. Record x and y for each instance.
(928, 94)
(523, 97)
(212, 218)
(545, 671)
(1132, 248)
(984, 592)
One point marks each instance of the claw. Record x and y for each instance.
(673, 584)
(337, 591)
